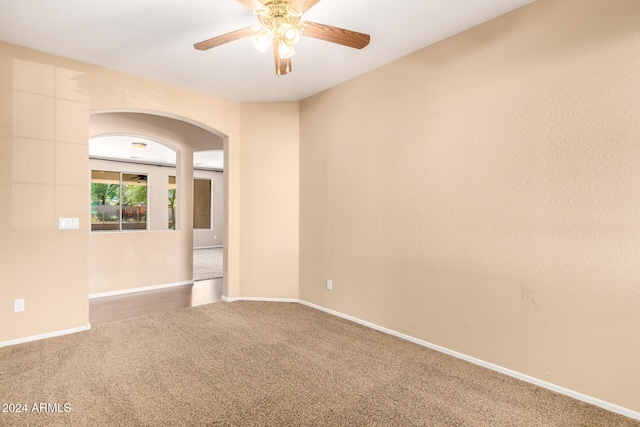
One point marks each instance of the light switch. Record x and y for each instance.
(68, 223)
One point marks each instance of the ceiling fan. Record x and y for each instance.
(140, 178)
(281, 27)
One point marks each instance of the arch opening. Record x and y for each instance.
(163, 257)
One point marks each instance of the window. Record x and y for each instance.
(172, 203)
(118, 201)
(202, 203)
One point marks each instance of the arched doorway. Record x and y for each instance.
(161, 258)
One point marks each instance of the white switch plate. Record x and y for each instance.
(68, 223)
(18, 305)
(329, 285)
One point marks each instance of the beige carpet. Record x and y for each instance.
(265, 364)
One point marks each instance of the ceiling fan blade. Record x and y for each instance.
(225, 38)
(336, 35)
(302, 5)
(283, 65)
(251, 4)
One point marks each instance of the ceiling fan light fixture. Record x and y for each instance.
(285, 50)
(289, 34)
(262, 39)
(281, 26)
(139, 145)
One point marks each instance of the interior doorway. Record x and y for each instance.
(208, 214)
(159, 254)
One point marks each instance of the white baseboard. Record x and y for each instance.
(578, 396)
(43, 336)
(227, 299)
(143, 289)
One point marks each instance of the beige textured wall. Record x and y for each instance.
(269, 196)
(43, 176)
(482, 195)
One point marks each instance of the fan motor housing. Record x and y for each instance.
(278, 12)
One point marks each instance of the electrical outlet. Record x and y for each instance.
(18, 305)
(329, 285)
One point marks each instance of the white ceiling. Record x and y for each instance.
(120, 148)
(154, 39)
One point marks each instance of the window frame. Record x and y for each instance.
(120, 207)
